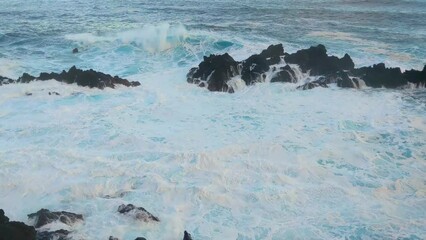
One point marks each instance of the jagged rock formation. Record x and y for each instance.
(215, 71)
(85, 78)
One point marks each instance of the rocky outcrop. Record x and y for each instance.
(418, 78)
(44, 216)
(187, 236)
(15, 230)
(379, 76)
(213, 72)
(255, 67)
(5, 80)
(54, 235)
(284, 74)
(139, 213)
(317, 62)
(86, 78)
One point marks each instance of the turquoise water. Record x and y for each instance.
(268, 162)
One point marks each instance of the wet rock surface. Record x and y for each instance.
(187, 236)
(316, 60)
(139, 213)
(10, 230)
(44, 216)
(85, 78)
(54, 235)
(215, 71)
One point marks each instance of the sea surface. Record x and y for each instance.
(267, 162)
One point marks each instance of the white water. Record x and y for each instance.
(267, 162)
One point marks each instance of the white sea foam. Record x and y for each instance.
(9, 68)
(151, 37)
(267, 162)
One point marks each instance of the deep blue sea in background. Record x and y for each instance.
(268, 162)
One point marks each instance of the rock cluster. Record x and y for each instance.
(85, 78)
(215, 71)
(10, 230)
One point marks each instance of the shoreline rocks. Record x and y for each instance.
(85, 78)
(20, 231)
(215, 71)
(44, 216)
(15, 230)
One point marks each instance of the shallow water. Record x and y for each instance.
(268, 162)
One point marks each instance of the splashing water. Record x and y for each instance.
(267, 162)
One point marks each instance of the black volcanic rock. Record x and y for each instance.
(15, 230)
(214, 70)
(273, 54)
(55, 235)
(75, 50)
(3, 218)
(85, 78)
(44, 216)
(255, 67)
(286, 74)
(187, 236)
(416, 77)
(5, 80)
(140, 238)
(343, 80)
(313, 84)
(26, 78)
(318, 62)
(137, 212)
(379, 76)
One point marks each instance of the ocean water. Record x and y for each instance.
(268, 162)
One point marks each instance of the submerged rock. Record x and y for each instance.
(311, 85)
(85, 78)
(15, 230)
(44, 216)
(75, 50)
(54, 235)
(5, 80)
(137, 212)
